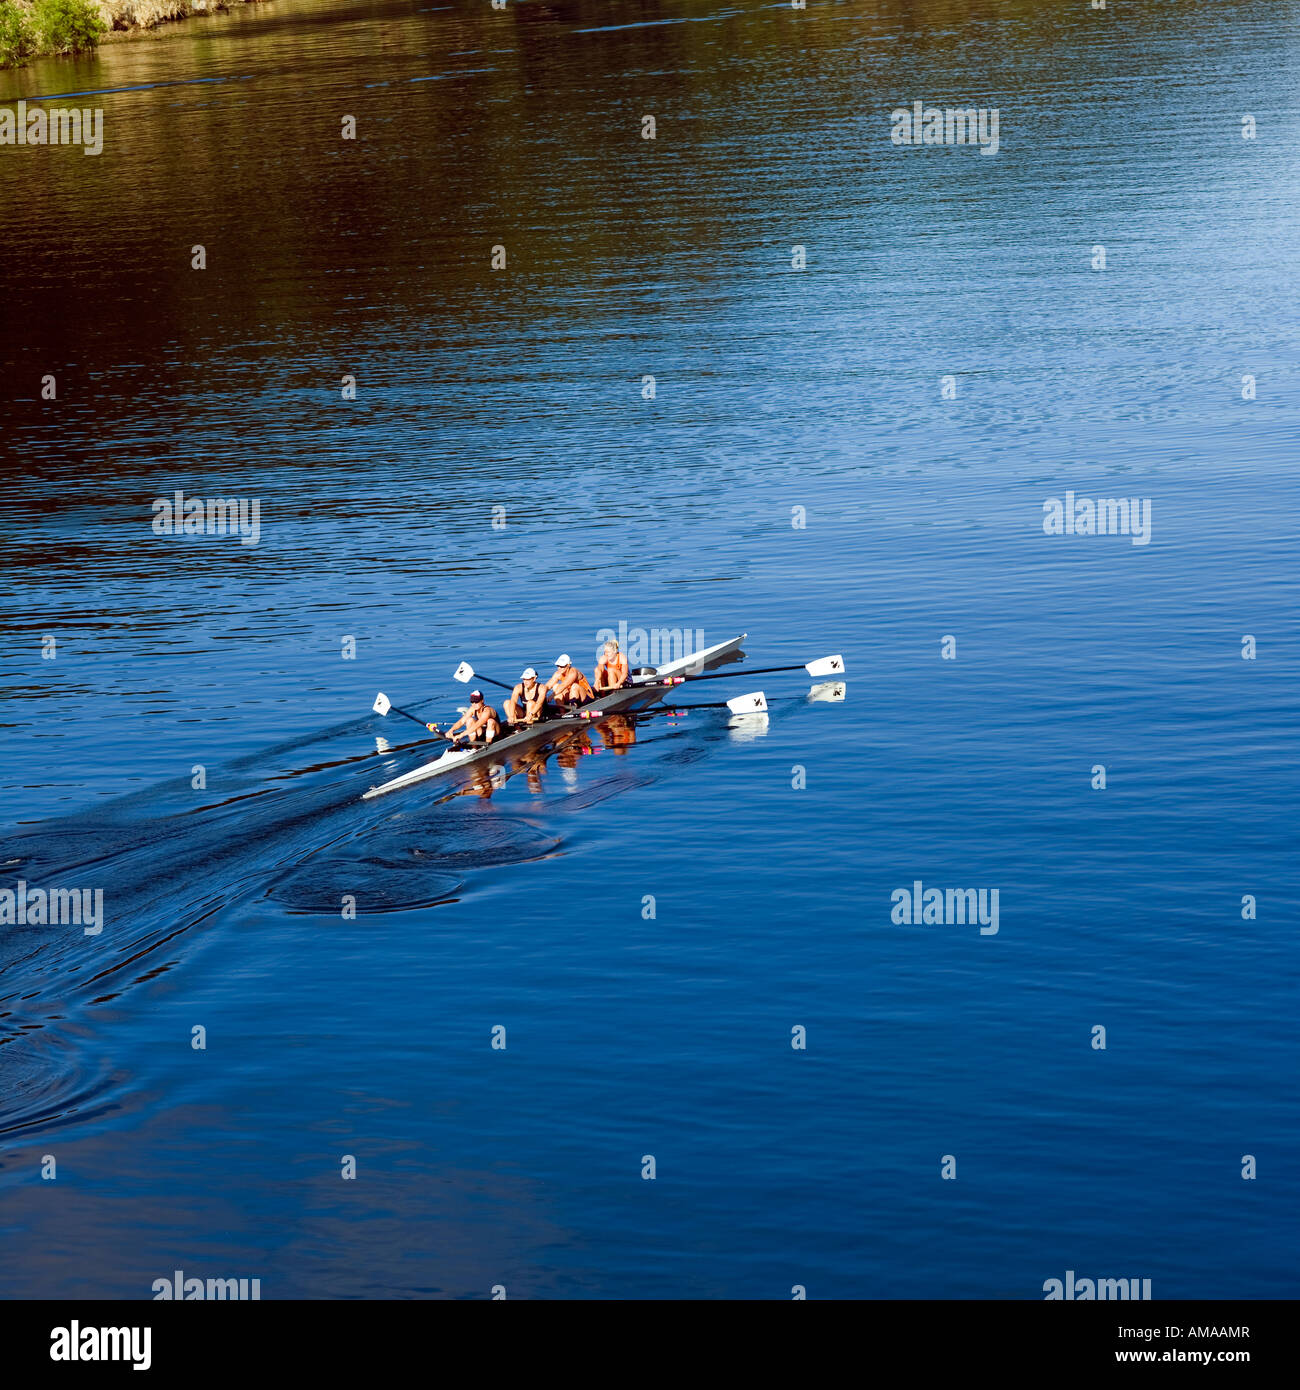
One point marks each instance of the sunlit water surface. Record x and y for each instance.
(776, 390)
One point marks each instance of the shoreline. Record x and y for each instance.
(124, 19)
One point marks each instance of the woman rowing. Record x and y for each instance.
(527, 699)
(568, 686)
(611, 669)
(478, 719)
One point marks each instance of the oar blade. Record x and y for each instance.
(753, 703)
(382, 703)
(464, 672)
(827, 666)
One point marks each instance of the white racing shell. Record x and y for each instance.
(639, 693)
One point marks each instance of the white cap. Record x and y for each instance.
(563, 660)
(529, 675)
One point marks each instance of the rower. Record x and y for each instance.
(611, 669)
(568, 685)
(479, 718)
(526, 699)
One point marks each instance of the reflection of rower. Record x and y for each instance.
(568, 751)
(480, 785)
(617, 732)
(568, 686)
(532, 765)
(611, 669)
(478, 719)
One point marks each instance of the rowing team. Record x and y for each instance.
(532, 700)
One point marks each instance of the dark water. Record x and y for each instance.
(776, 389)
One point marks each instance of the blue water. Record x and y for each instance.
(776, 389)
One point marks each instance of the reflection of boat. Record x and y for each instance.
(642, 690)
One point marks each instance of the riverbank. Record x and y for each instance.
(34, 28)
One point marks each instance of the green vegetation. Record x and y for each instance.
(68, 26)
(47, 26)
(18, 37)
(29, 28)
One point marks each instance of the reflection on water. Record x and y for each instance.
(649, 416)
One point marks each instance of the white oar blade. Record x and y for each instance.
(755, 703)
(382, 704)
(832, 691)
(827, 666)
(464, 672)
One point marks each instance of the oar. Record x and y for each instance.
(827, 666)
(755, 703)
(383, 705)
(465, 672)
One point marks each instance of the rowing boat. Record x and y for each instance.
(642, 690)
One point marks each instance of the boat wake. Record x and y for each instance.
(175, 866)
